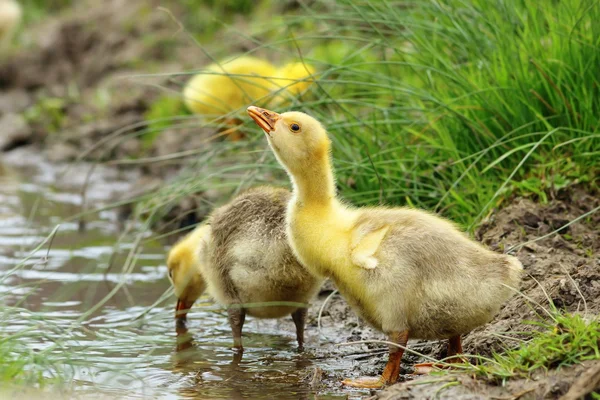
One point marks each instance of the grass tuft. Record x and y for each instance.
(570, 340)
(448, 105)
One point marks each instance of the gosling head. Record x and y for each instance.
(298, 140)
(295, 77)
(184, 263)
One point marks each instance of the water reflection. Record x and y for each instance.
(121, 348)
(255, 373)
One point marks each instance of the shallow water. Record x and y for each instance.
(119, 345)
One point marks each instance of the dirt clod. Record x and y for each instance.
(588, 382)
(14, 131)
(562, 268)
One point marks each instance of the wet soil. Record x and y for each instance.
(81, 86)
(551, 385)
(562, 269)
(76, 90)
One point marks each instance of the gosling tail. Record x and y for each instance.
(515, 271)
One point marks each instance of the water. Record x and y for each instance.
(119, 345)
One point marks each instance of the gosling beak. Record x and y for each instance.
(264, 118)
(181, 309)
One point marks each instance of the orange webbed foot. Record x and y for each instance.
(365, 382)
(427, 368)
(454, 349)
(391, 370)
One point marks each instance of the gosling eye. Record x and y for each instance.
(295, 127)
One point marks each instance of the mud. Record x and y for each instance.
(551, 385)
(76, 79)
(562, 269)
(79, 91)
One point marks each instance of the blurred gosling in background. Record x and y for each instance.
(223, 89)
(10, 17)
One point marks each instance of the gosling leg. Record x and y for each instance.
(454, 348)
(299, 317)
(237, 316)
(392, 368)
(184, 339)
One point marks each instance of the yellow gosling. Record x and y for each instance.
(224, 88)
(409, 273)
(184, 263)
(242, 257)
(10, 17)
(293, 76)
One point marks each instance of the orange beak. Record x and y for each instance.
(264, 118)
(181, 309)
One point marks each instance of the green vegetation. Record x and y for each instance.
(205, 17)
(467, 101)
(567, 339)
(450, 105)
(49, 112)
(159, 117)
(19, 365)
(35, 10)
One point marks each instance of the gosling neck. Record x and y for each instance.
(315, 184)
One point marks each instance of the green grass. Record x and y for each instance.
(567, 339)
(20, 365)
(159, 117)
(48, 112)
(35, 10)
(466, 100)
(448, 105)
(205, 17)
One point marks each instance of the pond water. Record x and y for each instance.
(86, 304)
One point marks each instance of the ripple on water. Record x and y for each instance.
(118, 346)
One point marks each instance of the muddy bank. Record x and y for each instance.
(79, 90)
(565, 266)
(572, 383)
(75, 91)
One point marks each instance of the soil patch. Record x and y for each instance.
(550, 385)
(75, 83)
(76, 92)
